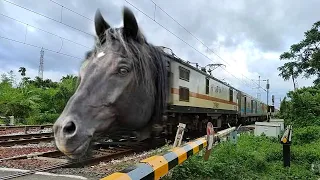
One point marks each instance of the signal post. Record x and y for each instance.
(286, 142)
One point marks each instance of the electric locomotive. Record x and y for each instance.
(196, 97)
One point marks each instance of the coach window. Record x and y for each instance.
(251, 106)
(183, 94)
(207, 85)
(256, 106)
(184, 73)
(231, 95)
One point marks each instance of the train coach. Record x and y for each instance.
(196, 97)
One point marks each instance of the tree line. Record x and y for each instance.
(34, 101)
(301, 107)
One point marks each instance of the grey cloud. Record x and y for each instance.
(267, 23)
(272, 26)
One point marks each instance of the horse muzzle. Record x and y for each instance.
(71, 139)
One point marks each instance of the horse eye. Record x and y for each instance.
(123, 71)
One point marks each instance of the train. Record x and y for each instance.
(195, 97)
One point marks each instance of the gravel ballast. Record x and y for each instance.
(28, 164)
(105, 168)
(6, 152)
(12, 132)
(97, 171)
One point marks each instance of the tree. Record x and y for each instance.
(67, 88)
(12, 77)
(35, 100)
(304, 57)
(303, 108)
(22, 70)
(17, 102)
(5, 78)
(9, 78)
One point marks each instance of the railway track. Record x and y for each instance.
(3, 128)
(103, 151)
(103, 154)
(51, 154)
(11, 140)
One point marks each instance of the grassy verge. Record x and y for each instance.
(256, 158)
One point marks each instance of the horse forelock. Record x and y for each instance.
(149, 64)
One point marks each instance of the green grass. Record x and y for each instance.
(2, 121)
(253, 158)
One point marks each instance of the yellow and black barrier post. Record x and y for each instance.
(158, 166)
(286, 142)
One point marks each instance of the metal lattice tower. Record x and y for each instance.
(40, 73)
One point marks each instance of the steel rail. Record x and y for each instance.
(25, 141)
(24, 136)
(87, 161)
(25, 126)
(54, 153)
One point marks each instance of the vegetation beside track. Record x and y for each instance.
(254, 158)
(34, 101)
(261, 157)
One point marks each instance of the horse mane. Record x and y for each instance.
(149, 65)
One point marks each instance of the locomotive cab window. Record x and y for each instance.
(207, 85)
(183, 94)
(184, 73)
(231, 95)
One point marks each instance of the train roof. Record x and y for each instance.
(176, 58)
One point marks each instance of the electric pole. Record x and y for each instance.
(40, 73)
(258, 88)
(268, 86)
(258, 93)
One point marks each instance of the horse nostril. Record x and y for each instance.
(69, 128)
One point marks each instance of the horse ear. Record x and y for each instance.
(100, 25)
(130, 24)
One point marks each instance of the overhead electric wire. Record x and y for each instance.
(44, 31)
(32, 45)
(48, 17)
(162, 27)
(71, 10)
(173, 34)
(93, 35)
(196, 38)
(181, 39)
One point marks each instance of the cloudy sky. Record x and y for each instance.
(248, 36)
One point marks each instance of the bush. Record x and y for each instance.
(305, 135)
(43, 118)
(251, 158)
(38, 101)
(303, 108)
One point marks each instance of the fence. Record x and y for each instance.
(157, 166)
